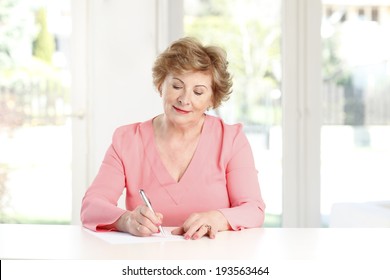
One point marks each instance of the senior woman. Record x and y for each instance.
(198, 171)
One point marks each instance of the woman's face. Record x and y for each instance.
(186, 96)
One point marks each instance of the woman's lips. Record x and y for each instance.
(180, 110)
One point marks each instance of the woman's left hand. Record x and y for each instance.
(200, 224)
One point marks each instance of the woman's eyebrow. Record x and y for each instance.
(174, 78)
(184, 83)
(201, 86)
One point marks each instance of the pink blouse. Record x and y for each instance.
(221, 176)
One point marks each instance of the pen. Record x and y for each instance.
(149, 205)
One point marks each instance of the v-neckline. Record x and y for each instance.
(159, 169)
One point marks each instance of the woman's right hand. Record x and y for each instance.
(139, 222)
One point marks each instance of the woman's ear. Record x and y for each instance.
(159, 88)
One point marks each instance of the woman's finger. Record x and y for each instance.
(204, 229)
(192, 231)
(146, 212)
(212, 232)
(148, 220)
(178, 231)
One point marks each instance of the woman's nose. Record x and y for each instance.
(184, 98)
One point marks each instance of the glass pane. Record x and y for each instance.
(35, 132)
(250, 33)
(356, 86)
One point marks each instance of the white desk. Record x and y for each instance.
(64, 242)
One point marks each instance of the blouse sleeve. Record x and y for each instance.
(246, 204)
(99, 205)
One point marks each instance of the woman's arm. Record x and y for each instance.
(247, 206)
(99, 205)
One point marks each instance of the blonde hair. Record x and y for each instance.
(188, 54)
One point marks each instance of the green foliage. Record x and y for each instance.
(43, 46)
(253, 48)
(272, 221)
(333, 67)
(16, 25)
(6, 35)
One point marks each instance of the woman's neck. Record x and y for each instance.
(163, 127)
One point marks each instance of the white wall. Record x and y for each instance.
(123, 38)
(120, 58)
(114, 47)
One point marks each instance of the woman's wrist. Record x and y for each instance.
(223, 223)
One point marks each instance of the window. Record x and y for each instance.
(35, 128)
(250, 33)
(355, 132)
(374, 14)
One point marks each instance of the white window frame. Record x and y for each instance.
(79, 105)
(301, 87)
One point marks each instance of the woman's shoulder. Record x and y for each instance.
(220, 126)
(231, 135)
(131, 130)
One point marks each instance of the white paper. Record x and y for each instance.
(116, 237)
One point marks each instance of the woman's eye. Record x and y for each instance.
(198, 93)
(176, 87)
